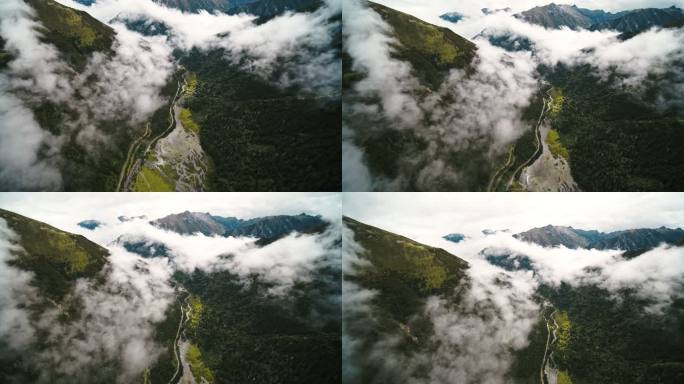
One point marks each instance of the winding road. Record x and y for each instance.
(185, 316)
(548, 356)
(537, 135)
(128, 170)
(494, 182)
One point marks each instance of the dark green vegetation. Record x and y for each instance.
(57, 258)
(527, 361)
(75, 33)
(616, 341)
(246, 334)
(617, 140)
(262, 137)
(404, 273)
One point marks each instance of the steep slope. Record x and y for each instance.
(627, 240)
(629, 23)
(265, 228)
(85, 136)
(432, 51)
(563, 15)
(187, 223)
(56, 258)
(401, 274)
(75, 33)
(387, 142)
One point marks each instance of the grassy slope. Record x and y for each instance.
(432, 52)
(57, 258)
(403, 273)
(75, 33)
(260, 137)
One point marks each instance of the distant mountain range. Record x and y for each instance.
(629, 22)
(265, 228)
(627, 240)
(265, 9)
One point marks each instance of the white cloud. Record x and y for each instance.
(15, 328)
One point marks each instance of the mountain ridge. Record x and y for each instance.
(626, 240)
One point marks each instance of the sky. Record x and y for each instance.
(423, 216)
(65, 210)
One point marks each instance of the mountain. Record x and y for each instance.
(629, 23)
(264, 228)
(556, 16)
(74, 33)
(455, 237)
(56, 258)
(402, 274)
(628, 240)
(89, 224)
(453, 17)
(265, 9)
(432, 51)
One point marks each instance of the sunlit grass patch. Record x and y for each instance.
(563, 378)
(555, 146)
(150, 180)
(199, 370)
(186, 120)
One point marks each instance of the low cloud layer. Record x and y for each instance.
(478, 337)
(301, 44)
(113, 336)
(118, 92)
(480, 115)
(473, 339)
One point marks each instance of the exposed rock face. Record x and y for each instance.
(629, 22)
(269, 227)
(633, 239)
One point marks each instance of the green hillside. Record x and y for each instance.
(403, 273)
(432, 51)
(57, 258)
(75, 33)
